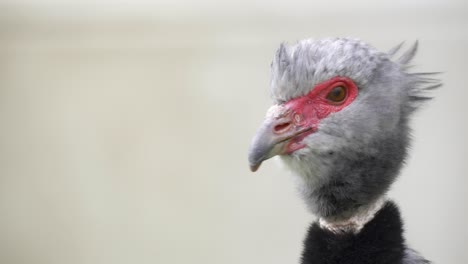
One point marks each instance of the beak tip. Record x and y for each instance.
(254, 167)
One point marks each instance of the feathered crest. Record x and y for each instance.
(421, 82)
(297, 68)
(282, 58)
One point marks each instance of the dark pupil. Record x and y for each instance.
(336, 94)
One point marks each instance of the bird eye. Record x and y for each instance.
(337, 94)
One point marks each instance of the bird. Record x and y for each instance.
(340, 122)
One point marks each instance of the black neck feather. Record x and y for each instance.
(380, 241)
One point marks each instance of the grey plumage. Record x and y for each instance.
(413, 257)
(356, 154)
(296, 69)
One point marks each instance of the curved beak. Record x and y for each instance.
(276, 135)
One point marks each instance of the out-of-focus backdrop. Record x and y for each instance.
(124, 128)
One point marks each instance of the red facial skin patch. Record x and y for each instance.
(307, 111)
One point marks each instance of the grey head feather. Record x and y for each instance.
(395, 49)
(409, 54)
(295, 69)
(420, 83)
(356, 154)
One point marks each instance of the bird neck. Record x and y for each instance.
(379, 241)
(356, 222)
(351, 181)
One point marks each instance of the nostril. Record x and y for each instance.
(282, 127)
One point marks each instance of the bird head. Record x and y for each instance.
(340, 120)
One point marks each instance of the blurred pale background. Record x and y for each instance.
(125, 127)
